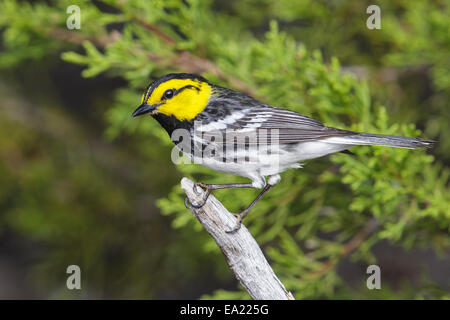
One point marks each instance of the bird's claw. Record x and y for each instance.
(189, 204)
(201, 185)
(237, 226)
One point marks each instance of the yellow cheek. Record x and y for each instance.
(188, 104)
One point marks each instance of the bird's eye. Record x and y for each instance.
(168, 94)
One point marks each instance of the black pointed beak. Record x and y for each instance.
(143, 109)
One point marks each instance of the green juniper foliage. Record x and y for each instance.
(333, 209)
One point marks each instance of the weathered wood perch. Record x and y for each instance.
(240, 249)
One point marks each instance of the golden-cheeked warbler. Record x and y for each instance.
(231, 132)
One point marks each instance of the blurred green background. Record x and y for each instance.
(83, 183)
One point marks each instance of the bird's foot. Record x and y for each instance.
(207, 190)
(239, 218)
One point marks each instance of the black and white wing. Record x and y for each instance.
(288, 126)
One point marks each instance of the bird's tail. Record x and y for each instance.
(382, 140)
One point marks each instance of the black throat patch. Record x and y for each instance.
(170, 123)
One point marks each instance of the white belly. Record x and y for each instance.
(256, 163)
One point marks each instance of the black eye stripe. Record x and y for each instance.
(175, 91)
(188, 87)
(181, 76)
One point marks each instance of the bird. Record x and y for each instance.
(231, 132)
